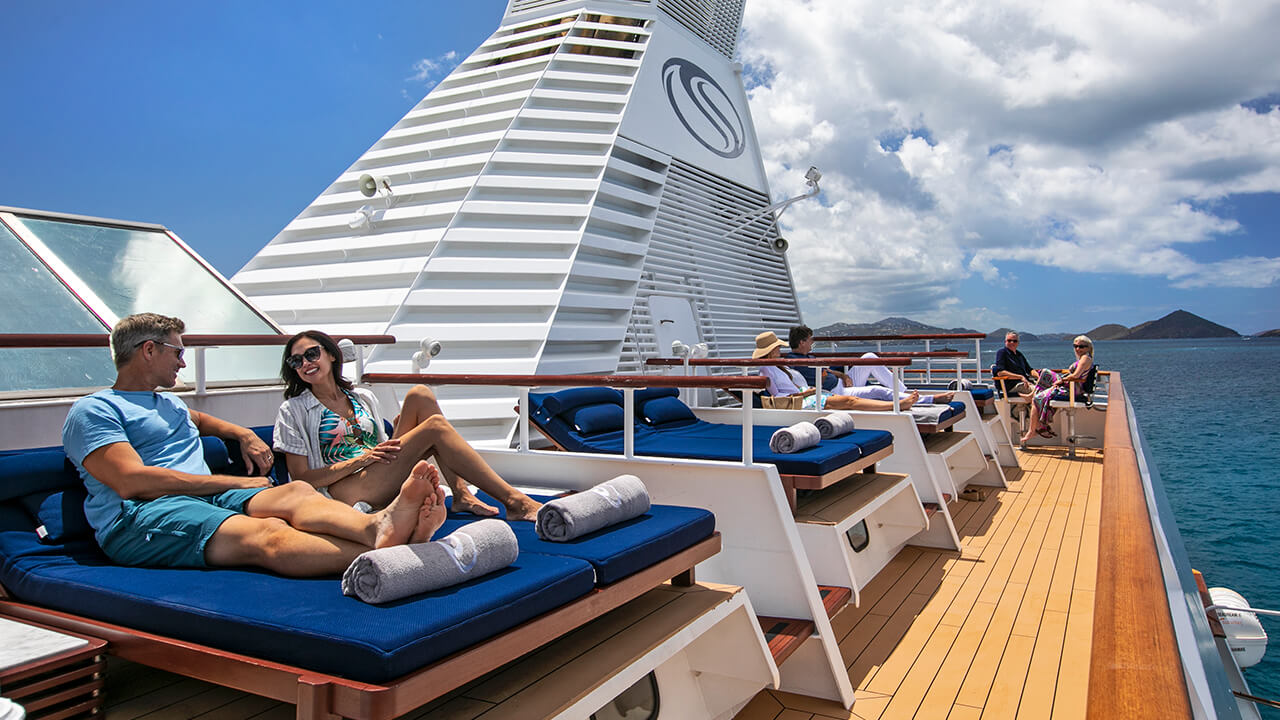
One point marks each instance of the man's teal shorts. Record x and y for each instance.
(171, 531)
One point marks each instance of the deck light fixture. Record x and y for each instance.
(421, 359)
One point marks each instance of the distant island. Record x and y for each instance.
(1177, 324)
(1269, 333)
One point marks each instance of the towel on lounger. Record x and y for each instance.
(608, 503)
(930, 414)
(795, 438)
(834, 424)
(391, 573)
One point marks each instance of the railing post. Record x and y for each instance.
(897, 378)
(748, 435)
(928, 364)
(201, 380)
(817, 387)
(524, 419)
(628, 422)
(977, 359)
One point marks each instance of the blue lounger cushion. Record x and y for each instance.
(303, 622)
(706, 441)
(616, 551)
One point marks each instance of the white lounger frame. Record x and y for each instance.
(761, 549)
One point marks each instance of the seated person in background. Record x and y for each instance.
(1050, 386)
(1012, 365)
(784, 381)
(333, 438)
(153, 501)
(853, 383)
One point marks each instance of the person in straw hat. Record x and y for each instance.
(785, 381)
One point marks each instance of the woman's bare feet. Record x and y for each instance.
(397, 523)
(524, 509)
(465, 501)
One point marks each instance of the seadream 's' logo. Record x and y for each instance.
(704, 108)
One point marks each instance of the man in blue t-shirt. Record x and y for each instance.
(1012, 365)
(153, 500)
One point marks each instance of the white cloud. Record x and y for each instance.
(428, 69)
(1094, 135)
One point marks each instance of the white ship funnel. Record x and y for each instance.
(588, 157)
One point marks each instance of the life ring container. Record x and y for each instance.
(1245, 636)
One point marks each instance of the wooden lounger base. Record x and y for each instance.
(864, 464)
(320, 695)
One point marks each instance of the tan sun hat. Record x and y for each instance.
(765, 343)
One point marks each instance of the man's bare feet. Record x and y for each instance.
(465, 501)
(906, 401)
(943, 398)
(430, 517)
(526, 509)
(396, 524)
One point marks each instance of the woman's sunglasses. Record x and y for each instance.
(1082, 347)
(311, 354)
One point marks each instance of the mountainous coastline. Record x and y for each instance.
(1177, 324)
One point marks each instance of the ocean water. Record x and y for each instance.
(1206, 410)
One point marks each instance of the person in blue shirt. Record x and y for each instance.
(800, 340)
(1012, 365)
(154, 502)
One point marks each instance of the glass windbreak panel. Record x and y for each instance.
(136, 270)
(35, 302)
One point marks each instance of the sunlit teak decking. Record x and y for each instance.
(1002, 628)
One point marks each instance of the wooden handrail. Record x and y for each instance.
(1135, 670)
(790, 362)
(905, 353)
(50, 340)
(937, 336)
(754, 382)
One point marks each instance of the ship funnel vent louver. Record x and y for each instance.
(715, 21)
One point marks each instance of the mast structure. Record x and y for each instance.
(567, 200)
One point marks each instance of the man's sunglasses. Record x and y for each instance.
(179, 348)
(1015, 342)
(311, 354)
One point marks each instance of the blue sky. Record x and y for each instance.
(991, 167)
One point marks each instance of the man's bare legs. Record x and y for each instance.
(294, 530)
(852, 402)
(419, 404)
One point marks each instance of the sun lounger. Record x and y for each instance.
(590, 420)
(285, 637)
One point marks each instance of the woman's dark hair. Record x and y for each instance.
(798, 334)
(294, 385)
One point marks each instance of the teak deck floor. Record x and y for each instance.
(1002, 629)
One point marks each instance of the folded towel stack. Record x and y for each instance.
(834, 424)
(608, 503)
(795, 438)
(391, 573)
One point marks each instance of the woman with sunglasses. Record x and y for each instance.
(1051, 386)
(333, 438)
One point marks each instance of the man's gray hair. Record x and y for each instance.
(134, 330)
(1012, 334)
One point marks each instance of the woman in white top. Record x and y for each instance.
(332, 437)
(784, 381)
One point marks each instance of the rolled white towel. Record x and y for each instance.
(608, 503)
(834, 424)
(795, 438)
(391, 573)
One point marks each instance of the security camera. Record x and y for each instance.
(814, 175)
(361, 219)
(348, 350)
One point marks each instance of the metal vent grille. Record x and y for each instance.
(739, 285)
(716, 21)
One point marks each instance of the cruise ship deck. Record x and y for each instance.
(1002, 629)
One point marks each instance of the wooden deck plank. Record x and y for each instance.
(1011, 677)
(1042, 674)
